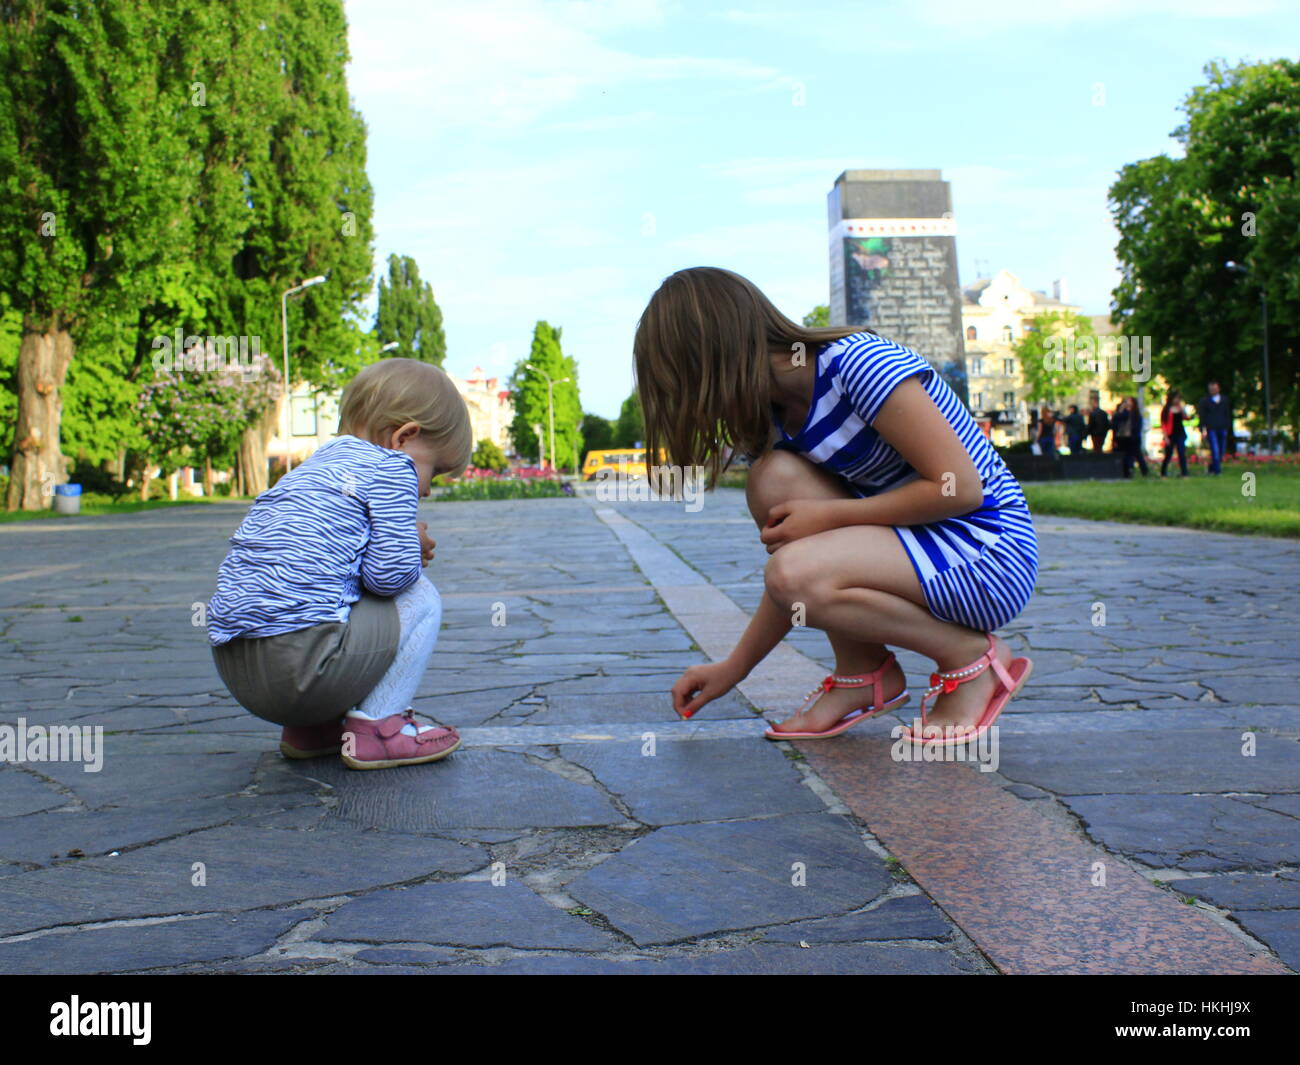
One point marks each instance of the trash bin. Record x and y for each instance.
(67, 499)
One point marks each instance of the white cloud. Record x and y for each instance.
(770, 181)
(998, 15)
(503, 64)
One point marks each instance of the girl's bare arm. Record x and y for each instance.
(948, 484)
(765, 630)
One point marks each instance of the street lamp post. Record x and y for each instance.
(541, 446)
(284, 333)
(550, 404)
(1241, 268)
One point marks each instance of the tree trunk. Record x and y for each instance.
(209, 484)
(37, 464)
(253, 478)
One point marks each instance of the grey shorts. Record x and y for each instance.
(313, 675)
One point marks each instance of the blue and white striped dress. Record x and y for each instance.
(342, 521)
(976, 570)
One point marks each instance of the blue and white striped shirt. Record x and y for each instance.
(855, 376)
(342, 521)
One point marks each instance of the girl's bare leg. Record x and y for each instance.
(780, 476)
(858, 585)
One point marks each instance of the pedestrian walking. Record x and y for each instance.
(1172, 416)
(1214, 416)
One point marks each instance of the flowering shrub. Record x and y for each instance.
(188, 415)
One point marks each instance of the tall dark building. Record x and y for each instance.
(893, 253)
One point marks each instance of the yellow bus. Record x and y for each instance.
(621, 461)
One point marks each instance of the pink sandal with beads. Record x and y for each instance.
(1011, 677)
(855, 680)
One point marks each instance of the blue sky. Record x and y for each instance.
(557, 160)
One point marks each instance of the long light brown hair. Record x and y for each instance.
(703, 355)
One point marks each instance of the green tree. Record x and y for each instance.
(819, 317)
(597, 434)
(306, 202)
(529, 389)
(1047, 356)
(488, 456)
(95, 181)
(629, 430)
(1233, 195)
(211, 147)
(408, 313)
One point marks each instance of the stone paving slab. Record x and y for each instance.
(757, 960)
(905, 917)
(693, 780)
(244, 868)
(1171, 760)
(46, 837)
(465, 914)
(127, 948)
(686, 881)
(1198, 833)
(472, 789)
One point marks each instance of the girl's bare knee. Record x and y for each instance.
(791, 576)
(773, 479)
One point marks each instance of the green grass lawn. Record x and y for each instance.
(1195, 502)
(101, 504)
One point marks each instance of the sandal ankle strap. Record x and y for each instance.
(946, 682)
(851, 680)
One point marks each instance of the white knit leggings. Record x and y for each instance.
(419, 609)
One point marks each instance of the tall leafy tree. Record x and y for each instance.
(528, 385)
(818, 317)
(408, 313)
(597, 433)
(1233, 195)
(212, 147)
(95, 183)
(629, 430)
(299, 203)
(1048, 355)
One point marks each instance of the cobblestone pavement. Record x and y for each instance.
(581, 828)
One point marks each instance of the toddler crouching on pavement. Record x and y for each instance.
(322, 621)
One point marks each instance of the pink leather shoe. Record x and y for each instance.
(312, 741)
(856, 680)
(383, 745)
(1011, 678)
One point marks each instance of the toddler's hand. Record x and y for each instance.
(426, 545)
